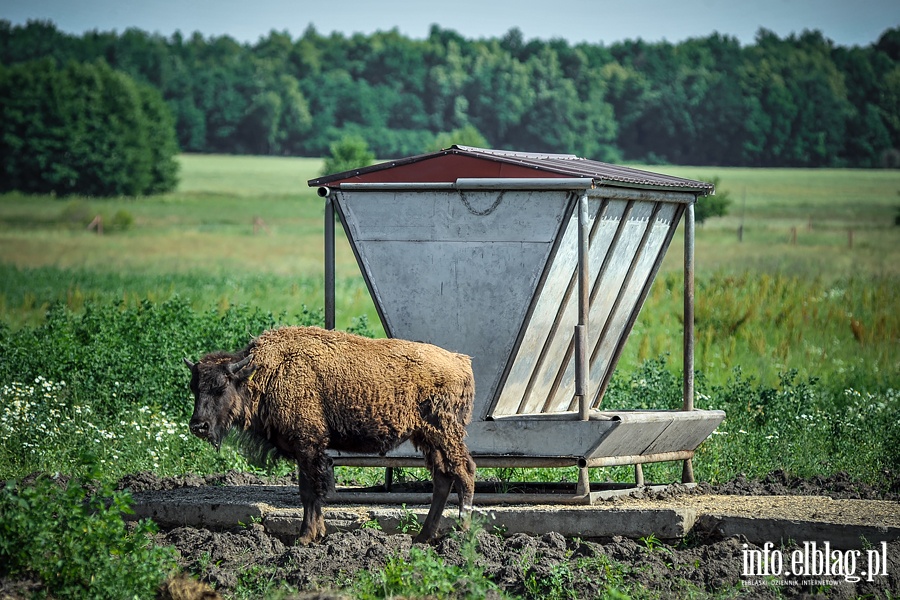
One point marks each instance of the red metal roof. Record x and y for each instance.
(467, 162)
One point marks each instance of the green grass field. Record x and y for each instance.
(771, 301)
(771, 304)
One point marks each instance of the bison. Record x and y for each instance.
(299, 391)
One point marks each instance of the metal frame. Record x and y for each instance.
(584, 400)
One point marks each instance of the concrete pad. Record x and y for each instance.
(778, 519)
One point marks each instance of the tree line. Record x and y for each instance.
(798, 101)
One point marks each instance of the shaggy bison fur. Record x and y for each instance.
(299, 391)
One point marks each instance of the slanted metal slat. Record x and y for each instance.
(648, 284)
(550, 314)
(606, 290)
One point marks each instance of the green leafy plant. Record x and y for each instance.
(409, 522)
(423, 573)
(75, 541)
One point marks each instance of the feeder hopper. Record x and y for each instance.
(536, 266)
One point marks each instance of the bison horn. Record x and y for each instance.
(189, 364)
(235, 367)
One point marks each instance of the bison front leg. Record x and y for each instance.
(316, 479)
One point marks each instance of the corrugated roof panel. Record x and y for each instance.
(442, 167)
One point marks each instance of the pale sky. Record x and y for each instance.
(846, 22)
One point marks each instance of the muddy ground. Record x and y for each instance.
(523, 565)
(243, 559)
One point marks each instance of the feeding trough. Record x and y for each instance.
(535, 265)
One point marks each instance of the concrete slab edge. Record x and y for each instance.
(583, 522)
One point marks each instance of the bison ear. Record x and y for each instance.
(189, 364)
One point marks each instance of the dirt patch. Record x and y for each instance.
(537, 566)
(542, 565)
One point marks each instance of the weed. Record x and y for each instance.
(76, 542)
(651, 542)
(409, 522)
(423, 573)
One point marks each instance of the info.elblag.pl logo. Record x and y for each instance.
(812, 564)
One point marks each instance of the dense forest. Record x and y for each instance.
(797, 101)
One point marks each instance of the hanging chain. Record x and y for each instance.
(481, 213)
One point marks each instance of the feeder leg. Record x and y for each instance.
(388, 478)
(329, 264)
(687, 472)
(584, 482)
(638, 475)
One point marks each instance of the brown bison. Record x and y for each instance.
(298, 391)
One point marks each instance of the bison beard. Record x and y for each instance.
(302, 390)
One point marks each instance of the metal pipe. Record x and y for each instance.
(584, 306)
(524, 183)
(689, 308)
(342, 496)
(687, 472)
(329, 261)
(483, 462)
(653, 195)
(404, 185)
(480, 183)
(615, 461)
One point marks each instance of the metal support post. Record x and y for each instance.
(581, 330)
(687, 473)
(329, 263)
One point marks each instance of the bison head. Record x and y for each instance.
(217, 382)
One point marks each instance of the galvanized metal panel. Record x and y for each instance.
(633, 433)
(606, 289)
(558, 346)
(449, 277)
(453, 216)
(618, 325)
(658, 432)
(545, 318)
(625, 246)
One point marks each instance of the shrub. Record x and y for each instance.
(348, 153)
(713, 206)
(75, 542)
(122, 220)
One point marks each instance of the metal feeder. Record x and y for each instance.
(537, 266)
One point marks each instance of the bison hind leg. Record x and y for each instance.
(450, 465)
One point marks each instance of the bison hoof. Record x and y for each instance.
(307, 540)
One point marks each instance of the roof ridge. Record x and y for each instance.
(514, 153)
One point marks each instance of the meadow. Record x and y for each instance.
(797, 325)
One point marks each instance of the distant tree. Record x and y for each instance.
(712, 206)
(346, 154)
(83, 129)
(794, 101)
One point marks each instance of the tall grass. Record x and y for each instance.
(792, 318)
